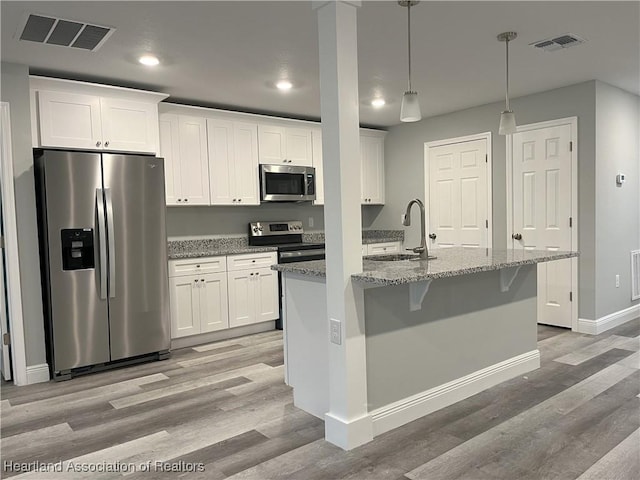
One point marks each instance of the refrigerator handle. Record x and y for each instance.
(102, 242)
(111, 242)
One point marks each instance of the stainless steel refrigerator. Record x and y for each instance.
(103, 252)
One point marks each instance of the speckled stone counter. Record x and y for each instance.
(450, 262)
(368, 236)
(212, 247)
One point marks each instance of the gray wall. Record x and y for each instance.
(617, 208)
(404, 164)
(203, 221)
(15, 91)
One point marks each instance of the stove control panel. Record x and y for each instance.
(260, 229)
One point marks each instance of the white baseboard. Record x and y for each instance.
(348, 435)
(602, 324)
(37, 373)
(411, 408)
(209, 337)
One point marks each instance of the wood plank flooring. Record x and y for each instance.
(222, 411)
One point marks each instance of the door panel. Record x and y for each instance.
(214, 312)
(298, 146)
(458, 191)
(245, 137)
(129, 126)
(138, 309)
(266, 283)
(79, 319)
(194, 160)
(272, 146)
(241, 298)
(170, 151)
(221, 158)
(185, 306)
(541, 211)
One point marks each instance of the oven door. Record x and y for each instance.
(287, 183)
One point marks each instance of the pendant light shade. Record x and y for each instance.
(507, 123)
(507, 117)
(410, 108)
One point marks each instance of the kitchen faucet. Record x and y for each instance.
(422, 249)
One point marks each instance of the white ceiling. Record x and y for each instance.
(229, 54)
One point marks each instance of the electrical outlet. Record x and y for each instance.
(335, 331)
(310, 222)
(617, 281)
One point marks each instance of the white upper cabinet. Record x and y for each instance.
(372, 163)
(290, 145)
(67, 114)
(233, 162)
(184, 148)
(316, 138)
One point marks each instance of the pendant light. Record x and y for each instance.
(507, 118)
(410, 109)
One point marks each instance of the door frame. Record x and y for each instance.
(573, 123)
(12, 265)
(450, 141)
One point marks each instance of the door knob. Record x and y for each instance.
(98, 144)
(106, 144)
(432, 236)
(516, 236)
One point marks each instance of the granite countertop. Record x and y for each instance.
(450, 262)
(212, 247)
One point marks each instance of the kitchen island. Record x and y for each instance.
(435, 331)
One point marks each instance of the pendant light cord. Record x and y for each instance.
(507, 73)
(409, 40)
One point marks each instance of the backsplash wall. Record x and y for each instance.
(221, 220)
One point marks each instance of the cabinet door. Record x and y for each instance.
(185, 305)
(170, 151)
(266, 295)
(298, 147)
(245, 143)
(372, 162)
(241, 287)
(214, 312)
(316, 140)
(69, 120)
(129, 126)
(221, 165)
(194, 161)
(271, 141)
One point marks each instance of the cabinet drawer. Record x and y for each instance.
(383, 248)
(251, 260)
(189, 266)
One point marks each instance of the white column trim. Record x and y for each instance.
(14, 297)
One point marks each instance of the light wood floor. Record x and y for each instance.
(225, 406)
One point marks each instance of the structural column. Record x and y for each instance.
(347, 424)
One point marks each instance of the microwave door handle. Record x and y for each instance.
(101, 227)
(111, 241)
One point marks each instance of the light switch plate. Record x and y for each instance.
(335, 331)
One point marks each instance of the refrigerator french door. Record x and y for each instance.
(104, 258)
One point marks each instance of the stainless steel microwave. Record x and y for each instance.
(287, 183)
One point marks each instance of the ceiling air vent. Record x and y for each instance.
(66, 33)
(558, 43)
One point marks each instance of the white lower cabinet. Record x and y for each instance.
(205, 297)
(198, 304)
(253, 291)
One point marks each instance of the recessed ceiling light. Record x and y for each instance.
(284, 85)
(378, 102)
(149, 60)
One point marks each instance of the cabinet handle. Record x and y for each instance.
(202, 280)
(197, 266)
(253, 261)
(234, 199)
(98, 144)
(239, 199)
(196, 280)
(106, 144)
(186, 199)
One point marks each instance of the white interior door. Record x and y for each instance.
(542, 195)
(459, 195)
